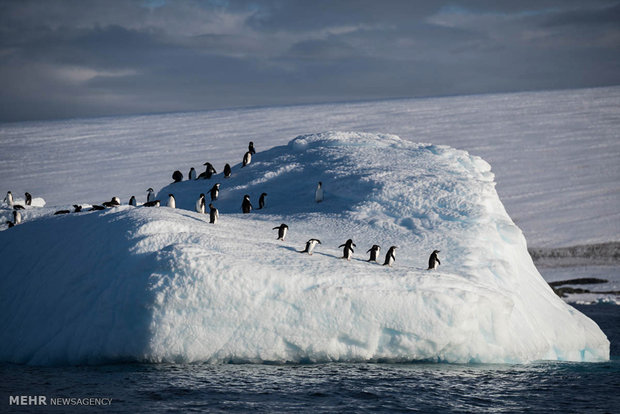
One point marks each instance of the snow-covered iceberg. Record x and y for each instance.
(161, 284)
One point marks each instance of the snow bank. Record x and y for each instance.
(157, 284)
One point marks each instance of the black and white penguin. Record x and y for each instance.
(154, 203)
(348, 250)
(150, 195)
(318, 194)
(61, 212)
(374, 253)
(310, 245)
(209, 171)
(172, 203)
(214, 214)
(96, 207)
(200, 204)
(28, 199)
(215, 192)
(112, 203)
(433, 261)
(177, 176)
(77, 209)
(282, 230)
(227, 171)
(261, 201)
(247, 158)
(390, 256)
(17, 217)
(9, 199)
(251, 148)
(192, 174)
(132, 201)
(18, 207)
(246, 205)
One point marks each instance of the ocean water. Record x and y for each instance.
(335, 387)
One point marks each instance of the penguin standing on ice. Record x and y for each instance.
(247, 158)
(348, 250)
(246, 205)
(390, 256)
(177, 176)
(172, 202)
(9, 199)
(227, 171)
(433, 261)
(251, 148)
(214, 214)
(28, 199)
(17, 217)
(132, 201)
(261, 201)
(282, 229)
(200, 204)
(310, 245)
(150, 195)
(192, 174)
(209, 171)
(318, 194)
(374, 253)
(155, 203)
(215, 192)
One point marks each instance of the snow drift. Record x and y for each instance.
(161, 284)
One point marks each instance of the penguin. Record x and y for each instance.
(17, 217)
(348, 250)
(261, 201)
(18, 207)
(177, 176)
(154, 203)
(112, 203)
(390, 256)
(200, 204)
(251, 148)
(247, 158)
(310, 244)
(374, 253)
(209, 171)
(433, 261)
(227, 171)
(282, 229)
(96, 207)
(246, 205)
(150, 195)
(192, 174)
(172, 203)
(9, 199)
(28, 199)
(318, 194)
(61, 212)
(77, 209)
(132, 201)
(215, 192)
(214, 214)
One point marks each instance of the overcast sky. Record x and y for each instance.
(77, 58)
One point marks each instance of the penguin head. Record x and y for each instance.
(170, 195)
(320, 184)
(150, 190)
(116, 200)
(263, 194)
(246, 197)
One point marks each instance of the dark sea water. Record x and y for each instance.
(336, 387)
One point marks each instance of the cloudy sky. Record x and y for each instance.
(77, 58)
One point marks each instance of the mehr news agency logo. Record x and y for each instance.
(42, 400)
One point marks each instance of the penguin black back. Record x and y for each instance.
(177, 176)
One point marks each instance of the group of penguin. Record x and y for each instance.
(348, 251)
(246, 207)
(17, 216)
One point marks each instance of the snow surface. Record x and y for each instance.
(161, 284)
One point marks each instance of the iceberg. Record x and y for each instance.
(164, 285)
